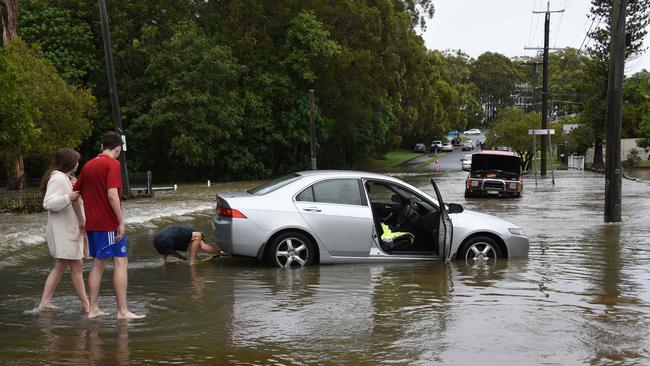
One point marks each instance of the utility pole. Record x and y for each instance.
(613, 184)
(312, 129)
(547, 24)
(115, 104)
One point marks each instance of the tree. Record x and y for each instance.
(9, 20)
(65, 41)
(64, 112)
(495, 77)
(511, 129)
(17, 115)
(637, 20)
(636, 106)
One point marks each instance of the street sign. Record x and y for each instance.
(549, 131)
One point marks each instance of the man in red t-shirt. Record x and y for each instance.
(100, 185)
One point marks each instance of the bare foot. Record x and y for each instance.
(48, 306)
(130, 315)
(95, 313)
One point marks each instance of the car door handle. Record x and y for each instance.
(312, 209)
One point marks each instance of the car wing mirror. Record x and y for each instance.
(455, 208)
(395, 199)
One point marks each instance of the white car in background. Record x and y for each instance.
(473, 131)
(466, 163)
(447, 147)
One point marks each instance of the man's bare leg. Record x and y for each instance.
(51, 284)
(120, 282)
(94, 281)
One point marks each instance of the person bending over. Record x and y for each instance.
(175, 238)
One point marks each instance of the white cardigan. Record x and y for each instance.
(63, 236)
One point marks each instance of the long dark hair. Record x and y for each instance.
(64, 161)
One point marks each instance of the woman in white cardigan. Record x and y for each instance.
(65, 227)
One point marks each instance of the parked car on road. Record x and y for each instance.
(467, 146)
(466, 163)
(420, 148)
(494, 173)
(447, 147)
(436, 145)
(324, 216)
(456, 141)
(473, 131)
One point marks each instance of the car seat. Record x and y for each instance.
(395, 240)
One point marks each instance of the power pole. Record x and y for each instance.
(613, 183)
(547, 25)
(312, 129)
(115, 104)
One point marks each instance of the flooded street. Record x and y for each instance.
(582, 296)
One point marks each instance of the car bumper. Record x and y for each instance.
(237, 236)
(489, 193)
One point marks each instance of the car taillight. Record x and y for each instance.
(230, 212)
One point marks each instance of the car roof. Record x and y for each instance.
(497, 152)
(342, 173)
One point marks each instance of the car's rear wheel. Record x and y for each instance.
(291, 249)
(480, 249)
(468, 193)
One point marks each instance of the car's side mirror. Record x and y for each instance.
(395, 199)
(455, 208)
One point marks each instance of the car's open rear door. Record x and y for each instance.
(445, 228)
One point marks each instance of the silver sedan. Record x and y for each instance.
(351, 217)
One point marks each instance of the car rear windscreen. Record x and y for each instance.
(274, 184)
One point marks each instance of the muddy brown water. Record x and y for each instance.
(582, 296)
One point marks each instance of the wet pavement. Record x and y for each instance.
(582, 296)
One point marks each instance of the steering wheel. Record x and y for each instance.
(408, 212)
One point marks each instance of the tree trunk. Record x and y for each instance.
(9, 10)
(9, 17)
(16, 175)
(598, 154)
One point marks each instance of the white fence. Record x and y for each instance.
(576, 162)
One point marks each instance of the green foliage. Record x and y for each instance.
(580, 139)
(67, 42)
(511, 129)
(18, 129)
(644, 133)
(495, 76)
(64, 111)
(633, 157)
(636, 106)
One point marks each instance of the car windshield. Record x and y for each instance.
(274, 184)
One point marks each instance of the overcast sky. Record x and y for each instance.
(506, 26)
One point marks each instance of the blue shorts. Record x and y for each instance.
(102, 245)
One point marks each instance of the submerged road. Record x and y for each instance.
(582, 296)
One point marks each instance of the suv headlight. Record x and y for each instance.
(517, 231)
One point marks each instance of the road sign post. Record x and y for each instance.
(543, 132)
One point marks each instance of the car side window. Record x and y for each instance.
(340, 191)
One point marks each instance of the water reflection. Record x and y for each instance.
(82, 342)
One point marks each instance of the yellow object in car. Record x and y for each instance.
(390, 236)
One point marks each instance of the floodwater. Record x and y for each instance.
(582, 296)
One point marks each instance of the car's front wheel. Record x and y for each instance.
(291, 249)
(480, 249)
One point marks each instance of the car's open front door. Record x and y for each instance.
(445, 228)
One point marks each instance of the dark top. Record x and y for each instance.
(174, 237)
